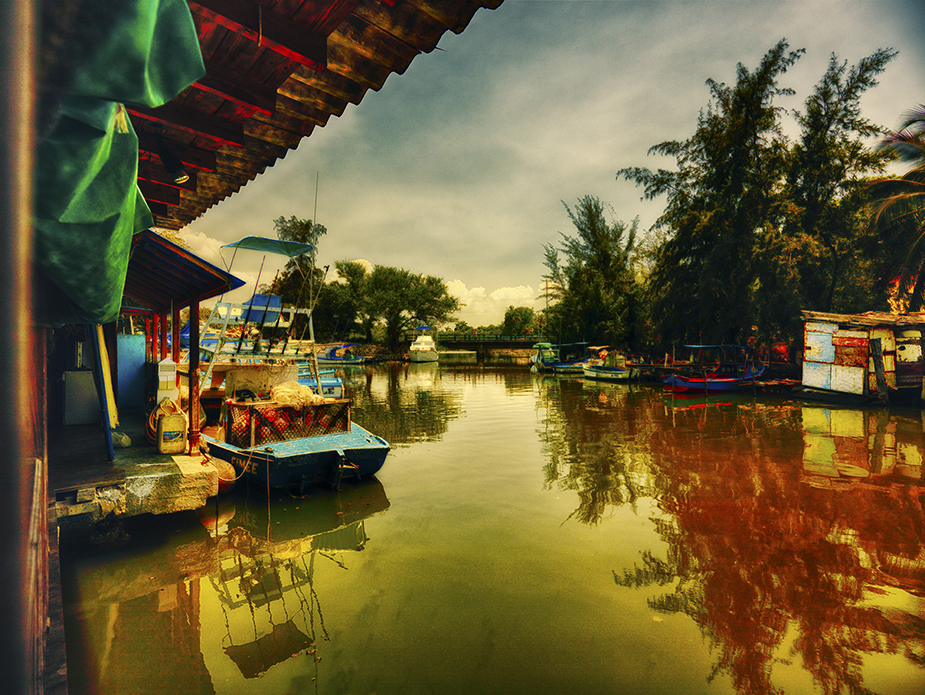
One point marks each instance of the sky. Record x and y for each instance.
(462, 166)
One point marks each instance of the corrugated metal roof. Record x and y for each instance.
(868, 318)
(162, 275)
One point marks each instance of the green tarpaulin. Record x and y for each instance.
(86, 200)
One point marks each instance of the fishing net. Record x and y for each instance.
(258, 423)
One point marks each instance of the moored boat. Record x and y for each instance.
(609, 366)
(735, 370)
(603, 373)
(340, 356)
(281, 444)
(423, 349)
(277, 428)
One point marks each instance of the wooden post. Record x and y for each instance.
(877, 354)
(175, 336)
(194, 377)
(921, 365)
(163, 337)
(155, 337)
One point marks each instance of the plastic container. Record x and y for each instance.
(171, 434)
(167, 381)
(166, 375)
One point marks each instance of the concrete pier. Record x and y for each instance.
(84, 487)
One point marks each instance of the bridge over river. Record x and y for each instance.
(484, 341)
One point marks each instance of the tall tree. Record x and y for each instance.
(300, 280)
(719, 198)
(899, 216)
(356, 282)
(518, 320)
(592, 282)
(401, 300)
(824, 183)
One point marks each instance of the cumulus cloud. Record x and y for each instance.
(203, 246)
(478, 307)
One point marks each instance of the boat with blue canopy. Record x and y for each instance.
(280, 426)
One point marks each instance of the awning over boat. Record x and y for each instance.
(267, 245)
(86, 200)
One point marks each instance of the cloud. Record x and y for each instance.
(204, 246)
(482, 308)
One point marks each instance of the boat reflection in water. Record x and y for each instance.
(259, 558)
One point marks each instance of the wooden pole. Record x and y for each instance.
(175, 335)
(163, 318)
(194, 377)
(876, 353)
(23, 598)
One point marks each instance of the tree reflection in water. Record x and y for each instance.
(413, 407)
(781, 519)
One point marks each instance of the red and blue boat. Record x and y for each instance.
(734, 369)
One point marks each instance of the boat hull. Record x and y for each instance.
(678, 383)
(342, 362)
(423, 356)
(327, 458)
(611, 374)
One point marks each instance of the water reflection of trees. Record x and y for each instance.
(594, 444)
(408, 405)
(760, 553)
(791, 530)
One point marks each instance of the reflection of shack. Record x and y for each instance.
(842, 353)
(856, 444)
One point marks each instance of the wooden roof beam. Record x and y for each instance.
(206, 125)
(191, 156)
(271, 29)
(150, 170)
(159, 193)
(237, 88)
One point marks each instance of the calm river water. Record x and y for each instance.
(535, 535)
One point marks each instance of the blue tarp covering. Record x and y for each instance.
(264, 308)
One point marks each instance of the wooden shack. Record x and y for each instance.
(842, 353)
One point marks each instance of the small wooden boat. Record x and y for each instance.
(285, 446)
(546, 359)
(609, 366)
(736, 370)
(603, 373)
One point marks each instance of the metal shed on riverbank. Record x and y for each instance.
(849, 353)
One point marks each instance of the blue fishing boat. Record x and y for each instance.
(283, 446)
(717, 368)
(275, 432)
(340, 356)
(546, 359)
